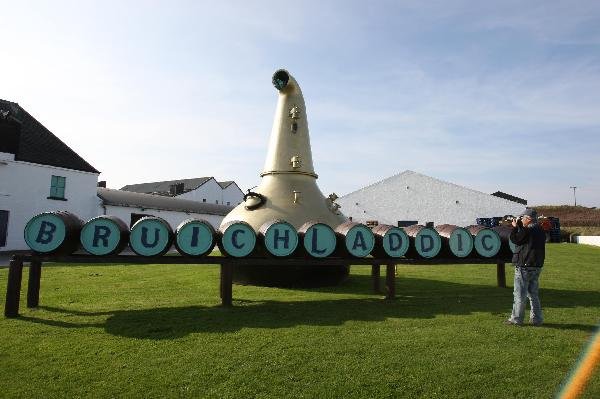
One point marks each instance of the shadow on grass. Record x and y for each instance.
(416, 299)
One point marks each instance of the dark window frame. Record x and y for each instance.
(4, 214)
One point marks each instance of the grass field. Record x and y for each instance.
(157, 331)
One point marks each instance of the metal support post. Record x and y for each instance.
(226, 284)
(13, 287)
(390, 281)
(375, 277)
(33, 288)
(501, 274)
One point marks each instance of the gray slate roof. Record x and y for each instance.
(164, 186)
(225, 184)
(35, 143)
(151, 201)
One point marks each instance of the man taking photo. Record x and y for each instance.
(530, 251)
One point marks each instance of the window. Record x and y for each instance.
(217, 201)
(57, 187)
(203, 199)
(228, 203)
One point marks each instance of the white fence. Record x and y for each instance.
(589, 240)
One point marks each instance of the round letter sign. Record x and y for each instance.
(461, 242)
(279, 238)
(359, 241)
(428, 242)
(395, 242)
(53, 233)
(318, 239)
(150, 236)
(487, 243)
(238, 239)
(195, 237)
(104, 235)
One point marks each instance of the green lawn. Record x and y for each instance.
(158, 331)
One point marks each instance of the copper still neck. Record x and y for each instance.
(289, 145)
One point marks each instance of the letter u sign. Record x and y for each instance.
(151, 236)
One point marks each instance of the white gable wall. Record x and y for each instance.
(24, 192)
(209, 191)
(232, 195)
(413, 196)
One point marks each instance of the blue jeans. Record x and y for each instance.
(526, 286)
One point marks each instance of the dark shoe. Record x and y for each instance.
(536, 324)
(512, 323)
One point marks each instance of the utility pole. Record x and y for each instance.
(574, 196)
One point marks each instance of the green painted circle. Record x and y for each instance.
(45, 233)
(281, 239)
(195, 238)
(100, 236)
(395, 242)
(461, 242)
(319, 240)
(428, 242)
(239, 240)
(149, 237)
(487, 243)
(360, 241)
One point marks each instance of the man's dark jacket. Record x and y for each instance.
(531, 246)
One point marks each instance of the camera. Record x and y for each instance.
(519, 221)
(510, 218)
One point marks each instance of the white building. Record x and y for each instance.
(231, 193)
(130, 207)
(38, 173)
(201, 189)
(411, 196)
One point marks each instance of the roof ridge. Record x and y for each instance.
(172, 180)
(408, 171)
(37, 143)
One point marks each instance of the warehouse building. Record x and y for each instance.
(411, 197)
(130, 207)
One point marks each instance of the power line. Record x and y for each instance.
(574, 196)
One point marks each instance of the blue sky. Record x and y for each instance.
(490, 95)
